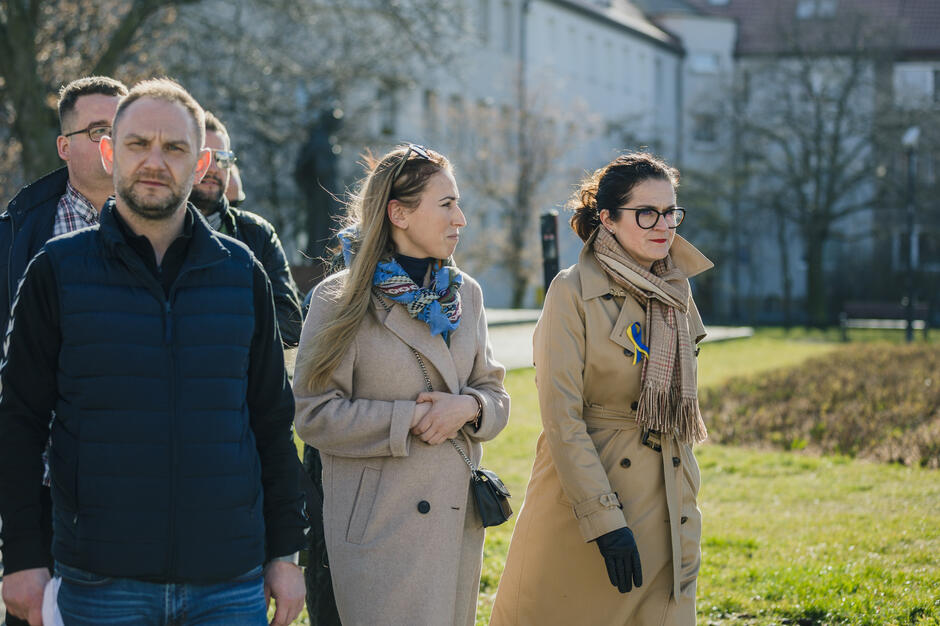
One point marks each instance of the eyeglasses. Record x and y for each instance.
(420, 151)
(647, 218)
(224, 158)
(94, 131)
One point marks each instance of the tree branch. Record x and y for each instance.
(124, 34)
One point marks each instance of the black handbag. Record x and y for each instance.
(489, 492)
(491, 496)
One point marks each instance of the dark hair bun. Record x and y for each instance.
(609, 188)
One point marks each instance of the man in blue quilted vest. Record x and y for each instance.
(154, 341)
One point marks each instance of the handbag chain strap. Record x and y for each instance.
(427, 383)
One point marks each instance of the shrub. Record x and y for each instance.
(877, 401)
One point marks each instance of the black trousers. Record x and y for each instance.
(321, 604)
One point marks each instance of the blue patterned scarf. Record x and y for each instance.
(437, 305)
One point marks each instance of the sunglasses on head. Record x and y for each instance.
(419, 151)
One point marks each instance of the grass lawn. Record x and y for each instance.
(788, 538)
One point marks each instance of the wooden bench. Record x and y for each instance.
(881, 315)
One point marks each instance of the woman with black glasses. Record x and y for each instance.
(394, 375)
(610, 530)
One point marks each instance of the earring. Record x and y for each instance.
(610, 230)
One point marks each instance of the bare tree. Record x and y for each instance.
(809, 124)
(516, 168)
(296, 83)
(269, 68)
(45, 43)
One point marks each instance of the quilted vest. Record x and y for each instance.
(155, 474)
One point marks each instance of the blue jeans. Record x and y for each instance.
(88, 599)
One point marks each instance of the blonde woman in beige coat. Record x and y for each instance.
(609, 532)
(404, 539)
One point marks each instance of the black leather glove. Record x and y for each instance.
(622, 559)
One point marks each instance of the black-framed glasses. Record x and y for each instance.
(94, 131)
(647, 218)
(224, 158)
(420, 151)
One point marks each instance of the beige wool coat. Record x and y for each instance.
(590, 461)
(404, 539)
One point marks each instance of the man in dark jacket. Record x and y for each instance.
(62, 201)
(154, 340)
(251, 229)
(68, 198)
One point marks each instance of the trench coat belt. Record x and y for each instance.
(595, 417)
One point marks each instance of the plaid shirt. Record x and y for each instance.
(74, 212)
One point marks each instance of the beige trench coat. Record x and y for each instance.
(590, 460)
(404, 539)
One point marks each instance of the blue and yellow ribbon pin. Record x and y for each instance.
(640, 349)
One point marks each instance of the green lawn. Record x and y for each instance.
(788, 538)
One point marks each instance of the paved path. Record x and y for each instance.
(511, 335)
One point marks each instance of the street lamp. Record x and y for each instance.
(909, 141)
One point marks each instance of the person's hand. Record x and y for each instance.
(22, 593)
(447, 414)
(284, 582)
(622, 559)
(421, 409)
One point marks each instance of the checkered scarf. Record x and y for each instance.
(668, 399)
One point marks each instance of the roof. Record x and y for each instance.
(763, 24)
(625, 15)
(672, 7)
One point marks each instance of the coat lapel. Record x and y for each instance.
(620, 333)
(416, 334)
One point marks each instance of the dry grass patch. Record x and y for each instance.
(878, 401)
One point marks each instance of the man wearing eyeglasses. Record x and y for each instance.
(252, 230)
(64, 200)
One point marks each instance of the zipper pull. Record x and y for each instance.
(168, 326)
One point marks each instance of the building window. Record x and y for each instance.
(607, 64)
(705, 128)
(929, 251)
(431, 114)
(718, 3)
(388, 110)
(507, 130)
(936, 86)
(550, 40)
(573, 51)
(807, 9)
(456, 124)
(704, 63)
(590, 58)
(659, 84)
(483, 20)
(622, 68)
(508, 28)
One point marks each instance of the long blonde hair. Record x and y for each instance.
(367, 212)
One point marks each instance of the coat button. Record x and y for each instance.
(607, 296)
(683, 519)
(627, 352)
(634, 405)
(675, 461)
(423, 507)
(625, 463)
